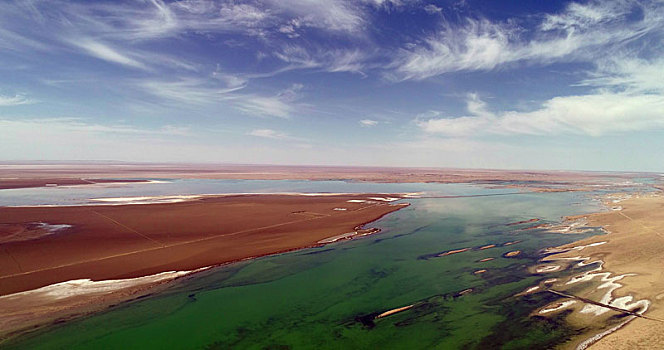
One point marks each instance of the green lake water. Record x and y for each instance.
(327, 297)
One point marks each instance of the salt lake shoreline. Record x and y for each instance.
(72, 299)
(593, 243)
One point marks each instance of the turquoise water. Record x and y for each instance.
(327, 297)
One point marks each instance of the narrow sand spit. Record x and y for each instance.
(43, 305)
(557, 307)
(455, 251)
(394, 311)
(547, 268)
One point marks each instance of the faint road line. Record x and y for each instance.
(128, 228)
(610, 307)
(14, 259)
(642, 224)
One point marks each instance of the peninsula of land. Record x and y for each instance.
(44, 246)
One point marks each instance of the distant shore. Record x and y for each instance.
(138, 246)
(31, 182)
(544, 181)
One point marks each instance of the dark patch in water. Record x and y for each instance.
(317, 252)
(521, 331)
(277, 347)
(144, 296)
(367, 320)
(401, 234)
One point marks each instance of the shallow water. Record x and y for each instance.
(76, 195)
(325, 298)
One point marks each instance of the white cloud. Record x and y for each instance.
(329, 15)
(122, 33)
(580, 32)
(208, 92)
(154, 19)
(281, 105)
(329, 60)
(14, 100)
(195, 6)
(187, 91)
(10, 40)
(628, 96)
(106, 53)
(263, 106)
(290, 28)
(432, 9)
(628, 74)
(268, 133)
(368, 122)
(81, 126)
(391, 4)
(594, 115)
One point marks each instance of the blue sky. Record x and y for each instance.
(492, 84)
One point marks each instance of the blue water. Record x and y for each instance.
(76, 195)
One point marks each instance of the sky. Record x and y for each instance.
(423, 83)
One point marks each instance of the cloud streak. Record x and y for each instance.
(199, 92)
(269, 134)
(580, 32)
(82, 126)
(15, 100)
(107, 53)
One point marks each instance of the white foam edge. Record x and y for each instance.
(78, 287)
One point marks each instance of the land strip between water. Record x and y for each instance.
(44, 246)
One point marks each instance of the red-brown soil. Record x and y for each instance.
(124, 241)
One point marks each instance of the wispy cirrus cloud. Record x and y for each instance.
(15, 100)
(328, 15)
(87, 127)
(336, 60)
(107, 53)
(205, 92)
(368, 122)
(268, 133)
(263, 106)
(581, 32)
(280, 136)
(432, 9)
(626, 91)
(186, 91)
